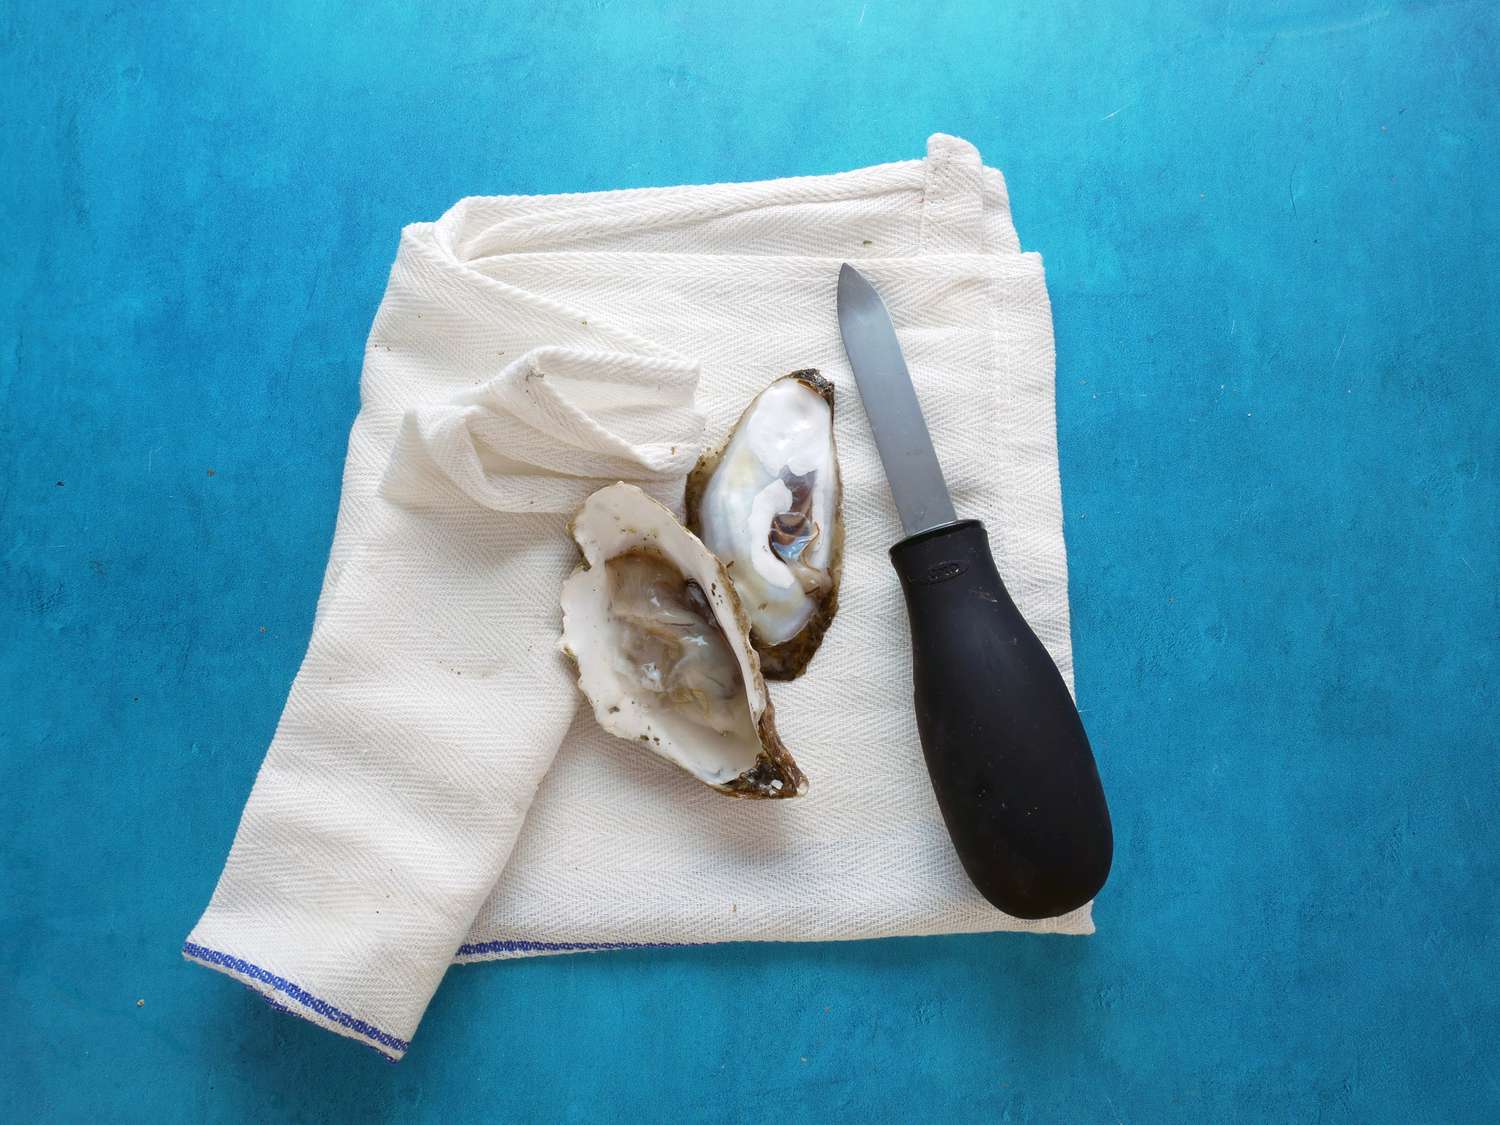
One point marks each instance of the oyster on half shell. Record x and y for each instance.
(663, 648)
(768, 504)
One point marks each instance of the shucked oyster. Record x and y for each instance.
(663, 649)
(767, 504)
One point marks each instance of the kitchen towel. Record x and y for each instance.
(434, 791)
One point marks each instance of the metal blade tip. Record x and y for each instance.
(851, 280)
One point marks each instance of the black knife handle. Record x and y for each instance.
(1010, 762)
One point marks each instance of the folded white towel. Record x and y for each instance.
(434, 788)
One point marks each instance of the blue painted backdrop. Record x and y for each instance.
(1271, 245)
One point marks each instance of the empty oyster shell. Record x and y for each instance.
(768, 504)
(663, 648)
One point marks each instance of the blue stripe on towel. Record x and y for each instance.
(294, 992)
(556, 946)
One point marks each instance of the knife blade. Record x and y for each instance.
(890, 400)
(1010, 763)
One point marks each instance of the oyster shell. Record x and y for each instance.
(768, 504)
(663, 648)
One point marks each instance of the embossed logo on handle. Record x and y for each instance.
(944, 571)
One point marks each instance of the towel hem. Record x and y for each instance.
(500, 949)
(472, 952)
(312, 1008)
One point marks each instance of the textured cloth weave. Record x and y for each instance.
(434, 790)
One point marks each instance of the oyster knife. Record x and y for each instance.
(1009, 760)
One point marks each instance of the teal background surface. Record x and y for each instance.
(1270, 234)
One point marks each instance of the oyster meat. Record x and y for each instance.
(768, 504)
(663, 648)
